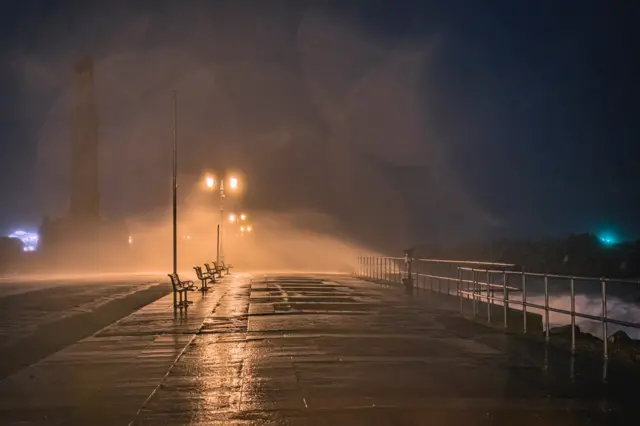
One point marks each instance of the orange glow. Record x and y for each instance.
(210, 182)
(233, 182)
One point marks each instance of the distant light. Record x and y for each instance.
(242, 229)
(249, 228)
(608, 239)
(210, 181)
(130, 239)
(29, 239)
(243, 216)
(232, 218)
(233, 183)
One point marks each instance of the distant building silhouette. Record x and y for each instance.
(84, 205)
(78, 239)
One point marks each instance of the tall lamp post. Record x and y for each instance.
(174, 187)
(233, 184)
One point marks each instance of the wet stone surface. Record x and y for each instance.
(300, 351)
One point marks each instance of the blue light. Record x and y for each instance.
(29, 239)
(608, 239)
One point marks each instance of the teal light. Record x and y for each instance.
(608, 239)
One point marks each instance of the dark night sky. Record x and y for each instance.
(525, 120)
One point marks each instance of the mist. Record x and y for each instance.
(301, 241)
(318, 114)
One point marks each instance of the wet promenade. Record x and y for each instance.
(302, 350)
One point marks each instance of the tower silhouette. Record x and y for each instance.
(84, 200)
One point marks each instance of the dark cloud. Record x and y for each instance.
(404, 123)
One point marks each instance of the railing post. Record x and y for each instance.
(488, 290)
(459, 289)
(418, 274)
(546, 308)
(365, 266)
(505, 296)
(604, 319)
(573, 317)
(430, 278)
(385, 269)
(475, 288)
(524, 302)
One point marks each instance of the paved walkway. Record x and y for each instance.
(298, 350)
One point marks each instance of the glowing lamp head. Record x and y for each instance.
(243, 216)
(233, 182)
(211, 182)
(242, 229)
(232, 218)
(249, 228)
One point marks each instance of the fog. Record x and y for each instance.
(322, 118)
(300, 240)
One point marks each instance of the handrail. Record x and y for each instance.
(467, 262)
(469, 286)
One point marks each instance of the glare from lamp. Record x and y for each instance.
(210, 181)
(233, 182)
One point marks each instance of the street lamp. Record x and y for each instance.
(232, 218)
(243, 216)
(249, 228)
(233, 183)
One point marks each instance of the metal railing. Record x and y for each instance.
(499, 284)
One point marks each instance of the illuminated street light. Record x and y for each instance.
(211, 182)
(232, 218)
(233, 182)
(243, 216)
(242, 229)
(249, 228)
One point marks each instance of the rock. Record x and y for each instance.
(620, 338)
(564, 331)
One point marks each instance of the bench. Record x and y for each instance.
(212, 271)
(204, 277)
(219, 268)
(180, 288)
(226, 267)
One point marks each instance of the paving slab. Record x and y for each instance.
(301, 350)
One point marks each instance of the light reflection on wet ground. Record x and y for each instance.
(300, 350)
